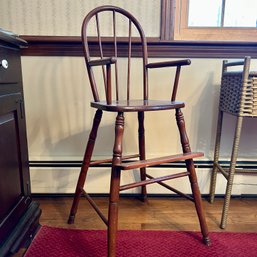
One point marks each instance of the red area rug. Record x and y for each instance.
(53, 242)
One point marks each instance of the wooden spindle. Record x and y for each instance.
(129, 60)
(116, 55)
(109, 84)
(99, 36)
(175, 87)
(182, 131)
(101, 50)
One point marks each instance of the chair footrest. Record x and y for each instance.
(160, 160)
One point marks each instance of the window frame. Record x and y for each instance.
(183, 32)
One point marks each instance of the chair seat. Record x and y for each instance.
(137, 105)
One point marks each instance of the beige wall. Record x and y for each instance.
(57, 101)
(64, 17)
(57, 98)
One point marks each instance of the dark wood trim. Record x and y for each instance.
(71, 46)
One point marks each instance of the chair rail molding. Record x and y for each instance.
(72, 46)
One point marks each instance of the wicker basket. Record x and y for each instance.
(238, 97)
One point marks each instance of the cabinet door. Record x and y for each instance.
(14, 175)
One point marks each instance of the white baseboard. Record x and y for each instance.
(61, 180)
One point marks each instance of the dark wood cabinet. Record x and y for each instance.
(19, 215)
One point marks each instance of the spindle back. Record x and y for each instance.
(107, 56)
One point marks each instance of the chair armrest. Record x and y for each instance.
(177, 64)
(107, 77)
(168, 64)
(103, 61)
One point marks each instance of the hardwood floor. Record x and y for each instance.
(159, 213)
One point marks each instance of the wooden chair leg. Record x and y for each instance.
(141, 143)
(216, 158)
(115, 186)
(231, 171)
(198, 201)
(193, 179)
(85, 165)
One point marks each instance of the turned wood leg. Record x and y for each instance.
(141, 143)
(115, 186)
(216, 158)
(85, 165)
(192, 177)
(231, 171)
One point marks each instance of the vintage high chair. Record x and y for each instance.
(238, 97)
(139, 106)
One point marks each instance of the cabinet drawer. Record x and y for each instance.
(10, 70)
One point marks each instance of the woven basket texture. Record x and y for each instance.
(238, 97)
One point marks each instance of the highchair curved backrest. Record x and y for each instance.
(106, 56)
